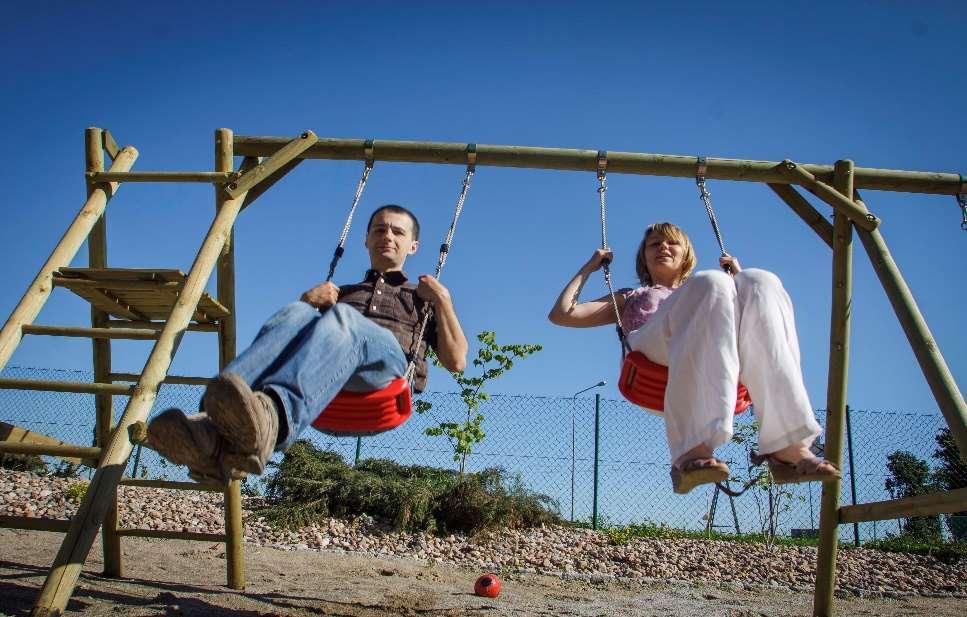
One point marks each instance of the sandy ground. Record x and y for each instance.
(175, 578)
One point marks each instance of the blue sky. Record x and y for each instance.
(873, 81)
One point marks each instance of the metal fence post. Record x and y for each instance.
(359, 447)
(852, 472)
(597, 432)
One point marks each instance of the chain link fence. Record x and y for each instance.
(550, 443)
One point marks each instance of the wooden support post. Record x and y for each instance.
(806, 212)
(101, 349)
(38, 292)
(932, 364)
(842, 295)
(70, 558)
(234, 532)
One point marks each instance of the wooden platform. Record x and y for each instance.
(136, 294)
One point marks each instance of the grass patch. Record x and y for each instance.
(310, 484)
(947, 552)
(620, 535)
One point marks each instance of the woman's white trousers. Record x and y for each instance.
(715, 331)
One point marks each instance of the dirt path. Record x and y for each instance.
(176, 578)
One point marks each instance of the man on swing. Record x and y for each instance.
(356, 338)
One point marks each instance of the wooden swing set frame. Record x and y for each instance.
(162, 305)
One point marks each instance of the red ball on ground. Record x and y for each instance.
(487, 586)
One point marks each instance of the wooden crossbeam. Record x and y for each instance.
(79, 387)
(18, 440)
(921, 505)
(204, 177)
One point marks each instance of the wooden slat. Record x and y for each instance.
(921, 505)
(169, 484)
(123, 274)
(35, 523)
(171, 535)
(79, 387)
(142, 295)
(159, 325)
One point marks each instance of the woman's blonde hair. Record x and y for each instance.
(672, 232)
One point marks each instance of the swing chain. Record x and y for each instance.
(444, 251)
(602, 161)
(962, 201)
(706, 197)
(360, 186)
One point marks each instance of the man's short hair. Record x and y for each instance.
(398, 210)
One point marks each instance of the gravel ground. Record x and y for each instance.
(565, 552)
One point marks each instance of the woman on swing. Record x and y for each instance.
(709, 329)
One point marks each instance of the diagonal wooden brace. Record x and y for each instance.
(266, 168)
(859, 215)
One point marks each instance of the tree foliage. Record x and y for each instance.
(910, 476)
(493, 360)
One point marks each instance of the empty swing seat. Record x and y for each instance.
(643, 383)
(359, 414)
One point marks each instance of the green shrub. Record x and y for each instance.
(23, 462)
(76, 490)
(309, 484)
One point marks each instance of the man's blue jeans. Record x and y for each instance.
(305, 357)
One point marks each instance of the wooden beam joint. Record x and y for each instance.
(859, 215)
(266, 168)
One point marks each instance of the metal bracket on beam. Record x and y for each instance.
(860, 216)
(266, 168)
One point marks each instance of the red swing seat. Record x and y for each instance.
(359, 414)
(643, 382)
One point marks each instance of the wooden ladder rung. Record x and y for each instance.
(64, 450)
(170, 379)
(97, 333)
(80, 387)
(34, 523)
(171, 484)
(171, 535)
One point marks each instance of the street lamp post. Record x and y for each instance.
(573, 410)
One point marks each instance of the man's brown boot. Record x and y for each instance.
(247, 420)
(192, 441)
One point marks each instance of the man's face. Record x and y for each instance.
(390, 240)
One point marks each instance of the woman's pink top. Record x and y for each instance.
(640, 304)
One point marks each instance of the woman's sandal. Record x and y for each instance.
(806, 470)
(697, 471)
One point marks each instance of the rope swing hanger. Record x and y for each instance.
(642, 381)
(358, 414)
